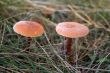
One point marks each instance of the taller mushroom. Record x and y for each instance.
(71, 30)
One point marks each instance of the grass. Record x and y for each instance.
(44, 55)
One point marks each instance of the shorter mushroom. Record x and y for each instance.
(28, 29)
(71, 30)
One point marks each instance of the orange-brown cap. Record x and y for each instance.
(72, 29)
(28, 28)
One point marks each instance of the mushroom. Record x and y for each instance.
(28, 29)
(71, 30)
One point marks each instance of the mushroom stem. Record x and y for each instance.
(68, 45)
(69, 51)
(29, 41)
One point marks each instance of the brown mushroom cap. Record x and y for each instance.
(72, 29)
(28, 28)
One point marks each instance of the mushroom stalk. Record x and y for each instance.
(69, 51)
(29, 41)
(28, 44)
(68, 45)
